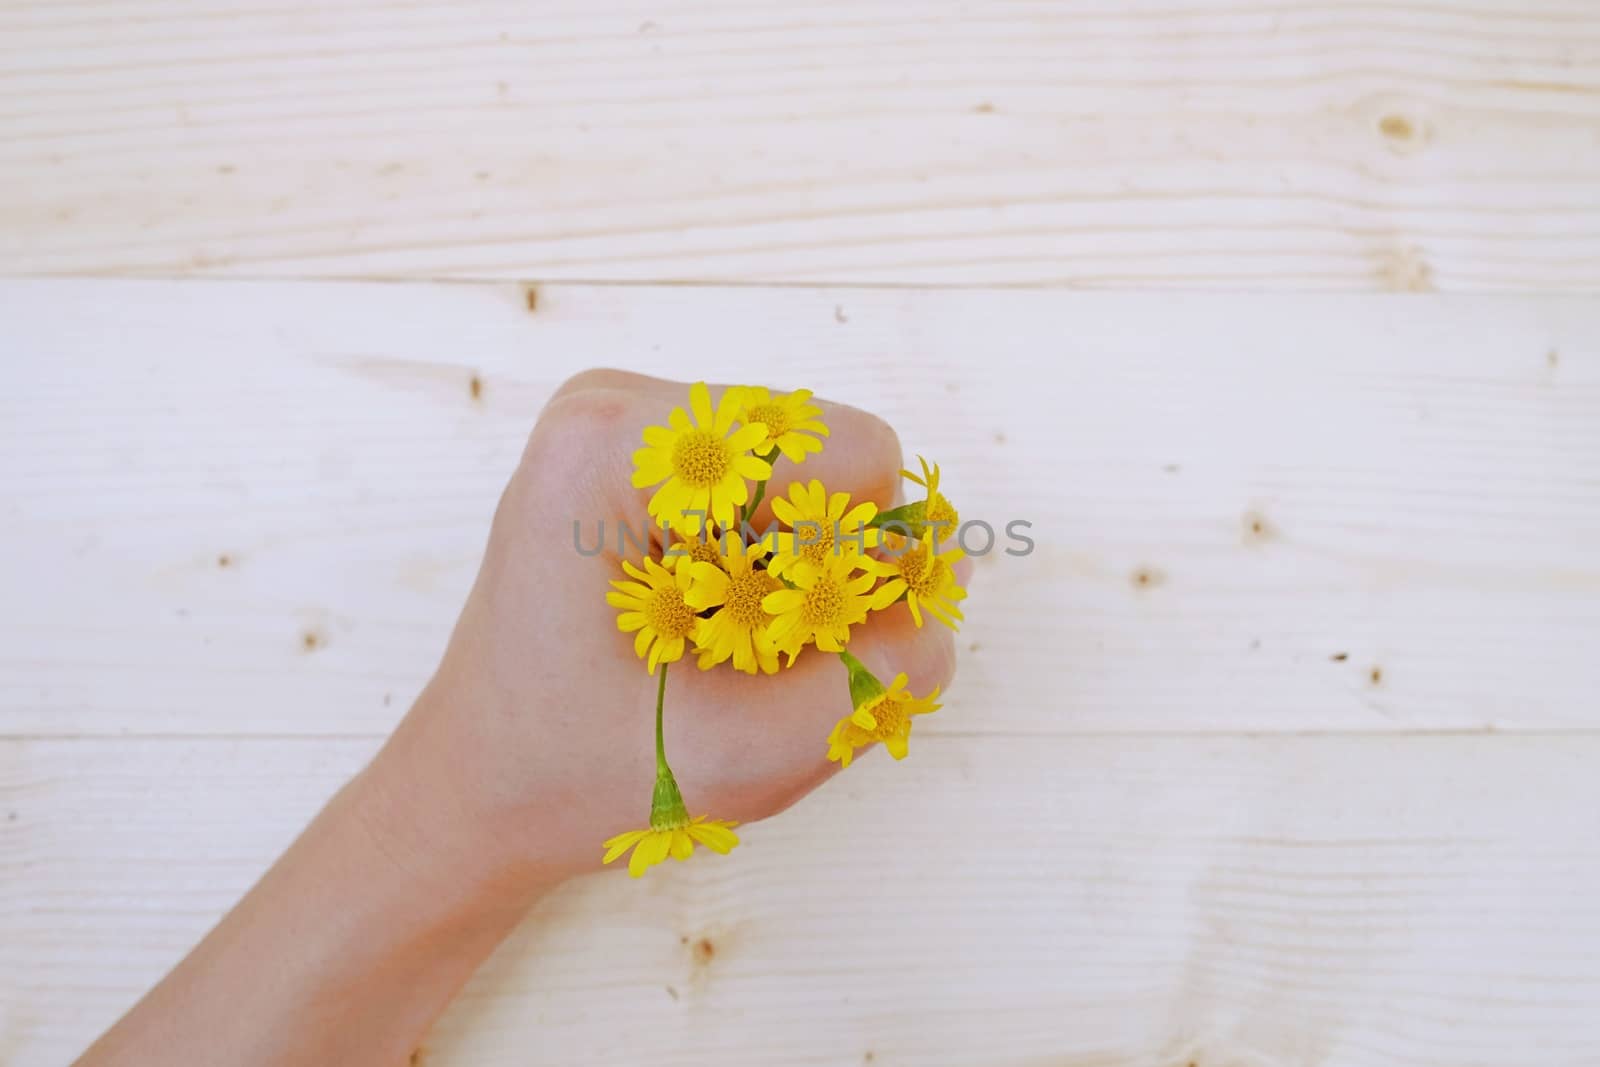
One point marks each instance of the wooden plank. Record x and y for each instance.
(1175, 143)
(256, 507)
(1005, 901)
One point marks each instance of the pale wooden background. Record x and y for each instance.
(1280, 749)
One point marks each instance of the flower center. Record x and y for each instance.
(816, 551)
(924, 574)
(773, 415)
(941, 511)
(667, 613)
(891, 717)
(744, 597)
(701, 551)
(822, 603)
(700, 458)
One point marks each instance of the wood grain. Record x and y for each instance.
(255, 507)
(1004, 901)
(1156, 143)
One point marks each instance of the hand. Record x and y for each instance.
(532, 744)
(534, 741)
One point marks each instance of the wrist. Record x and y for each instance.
(423, 804)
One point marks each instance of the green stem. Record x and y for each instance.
(666, 803)
(661, 747)
(761, 489)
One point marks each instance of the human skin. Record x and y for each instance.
(532, 744)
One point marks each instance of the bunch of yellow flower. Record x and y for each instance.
(732, 594)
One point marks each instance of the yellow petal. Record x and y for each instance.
(710, 586)
(616, 846)
(747, 437)
(714, 836)
(888, 593)
(780, 601)
(734, 487)
(816, 498)
(752, 467)
(793, 448)
(727, 408)
(700, 404)
(651, 851)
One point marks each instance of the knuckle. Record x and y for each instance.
(592, 378)
(580, 432)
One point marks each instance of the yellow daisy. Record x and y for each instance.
(884, 717)
(925, 576)
(738, 629)
(821, 527)
(789, 418)
(935, 510)
(702, 463)
(655, 844)
(825, 602)
(654, 606)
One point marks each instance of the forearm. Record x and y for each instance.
(351, 944)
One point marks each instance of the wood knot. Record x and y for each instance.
(475, 387)
(1147, 578)
(1396, 128)
(1255, 526)
(703, 951)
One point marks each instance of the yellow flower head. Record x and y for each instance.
(738, 629)
(790, 419)
(820, 528)
(922, 574)
(936, 509)
(824, 604)
(671, 832)
(654, 606)
(702, 463)
(652, 846)
(884, 715)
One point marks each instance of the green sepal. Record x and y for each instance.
(864, 685)
(910, 517)
(667, 811)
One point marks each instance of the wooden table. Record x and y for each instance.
(1279, 749)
